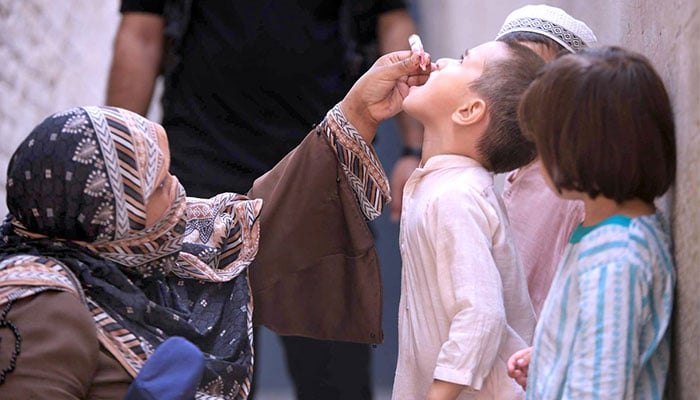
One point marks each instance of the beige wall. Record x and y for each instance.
(54, 55)
(668, 32)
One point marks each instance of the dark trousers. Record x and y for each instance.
(328, 370)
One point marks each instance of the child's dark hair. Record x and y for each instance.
(501, 84)
(603, 125)
(553, 48)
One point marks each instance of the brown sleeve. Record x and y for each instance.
(316, 273)
(359, 162)
(59, 348)
(111, 381)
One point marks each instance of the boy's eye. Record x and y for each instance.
(463, 56)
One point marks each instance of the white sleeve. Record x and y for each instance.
(470, 286)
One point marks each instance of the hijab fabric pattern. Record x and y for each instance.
(77, 191)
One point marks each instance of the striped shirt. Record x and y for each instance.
(604, 327)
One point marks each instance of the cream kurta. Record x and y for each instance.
(464, 305)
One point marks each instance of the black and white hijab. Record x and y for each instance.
(77, 189)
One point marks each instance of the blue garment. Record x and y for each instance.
(173, 372)
(604, 328)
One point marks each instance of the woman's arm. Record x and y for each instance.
(59, 348)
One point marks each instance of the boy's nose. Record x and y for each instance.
(443, 62)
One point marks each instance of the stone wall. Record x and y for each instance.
(668, 33)
(55, 55)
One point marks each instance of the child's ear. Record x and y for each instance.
(470, 112)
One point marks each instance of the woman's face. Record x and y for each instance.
(164, 194)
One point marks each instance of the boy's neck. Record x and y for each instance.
(449, 141)
(602, 208)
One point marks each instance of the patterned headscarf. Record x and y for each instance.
(77, 191)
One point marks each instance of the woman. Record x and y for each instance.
(102, 257)
(97, 220)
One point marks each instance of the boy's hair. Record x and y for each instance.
(502, 83)
(551, 46)
(603, 125)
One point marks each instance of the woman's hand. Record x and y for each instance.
(379, 93)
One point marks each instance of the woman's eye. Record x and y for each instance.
(162, 183)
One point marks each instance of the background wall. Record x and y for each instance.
(56, 55)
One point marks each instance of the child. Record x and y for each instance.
(604, 129)
(541, 222)
(464, 300)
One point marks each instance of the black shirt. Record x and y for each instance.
(253, 78)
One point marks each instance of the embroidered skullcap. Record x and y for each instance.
(552, 22)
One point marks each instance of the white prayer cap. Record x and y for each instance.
(552, 22)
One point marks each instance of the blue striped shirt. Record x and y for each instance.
(604, 328)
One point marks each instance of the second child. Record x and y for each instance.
(603, 126)
(540, 220)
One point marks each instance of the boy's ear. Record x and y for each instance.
(470, 112)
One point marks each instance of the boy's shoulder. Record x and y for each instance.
(457, 172)
(459, 200)
(461, 186)
(453, 184)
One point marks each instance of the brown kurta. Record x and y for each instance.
(59, 349)
(316, 273)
